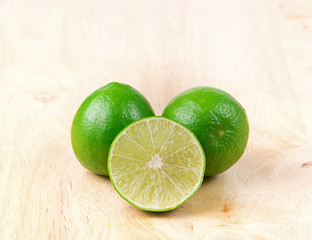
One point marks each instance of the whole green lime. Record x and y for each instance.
(219, 122)
(100, 118)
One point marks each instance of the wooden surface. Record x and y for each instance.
(54, 53)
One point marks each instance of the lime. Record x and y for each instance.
(219, 122)
(100, 118)
(156, 164)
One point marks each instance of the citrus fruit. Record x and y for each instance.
(219, 122)
(156, 164)
(100, 118)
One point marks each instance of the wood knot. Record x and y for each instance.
(306, 164)
(225, 208)
(44, 98)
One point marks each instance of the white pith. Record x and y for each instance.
(156, 162)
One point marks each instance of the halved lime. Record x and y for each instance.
(156, 164)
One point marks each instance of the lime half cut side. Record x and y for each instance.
(156, 164)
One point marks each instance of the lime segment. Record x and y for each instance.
(156, 164)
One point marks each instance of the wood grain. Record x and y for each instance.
(55, 53)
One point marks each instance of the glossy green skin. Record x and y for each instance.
(219, 122)
(100, 118)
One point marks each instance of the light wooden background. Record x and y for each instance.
(54, 53)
